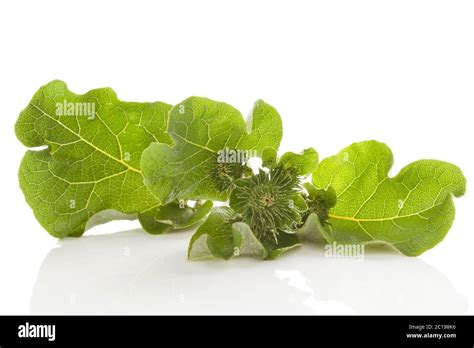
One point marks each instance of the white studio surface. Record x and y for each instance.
(338, 72)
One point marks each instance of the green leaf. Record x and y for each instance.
(412, 211)
(269, 157)
(220, 236)
(202, 130)
(304, 163)
(223, 236)
(173, 216)
(312, 230)
(319, 202)
(91, 162)
(315, 216)
(286, 241)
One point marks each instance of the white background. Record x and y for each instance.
(401, 72)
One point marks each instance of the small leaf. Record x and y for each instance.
(304, 163)
(312, 230)
(319, 202)
(269, 157)
(173, 216)
(412, 211)
(221, 237)
(286, 241)
(300, 203)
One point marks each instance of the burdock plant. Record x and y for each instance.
(266, 202)
(143, 160)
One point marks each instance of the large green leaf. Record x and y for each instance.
(91, 162)
(202, 129)
(412, 211)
